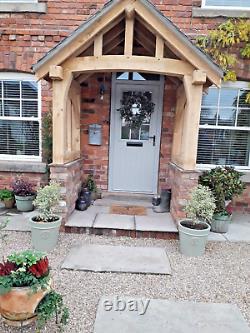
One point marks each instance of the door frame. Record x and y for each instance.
(116, 83)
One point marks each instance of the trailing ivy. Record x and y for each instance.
(219, 42)
(52, 306)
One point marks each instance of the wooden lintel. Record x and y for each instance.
(159, 47)
(56, 72)
(199, 77)
(129, 36)
(117, 63)
(98, 43)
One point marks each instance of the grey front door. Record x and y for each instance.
(134, 153)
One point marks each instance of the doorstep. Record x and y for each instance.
(98, 221)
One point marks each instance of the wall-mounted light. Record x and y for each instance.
(102, 90)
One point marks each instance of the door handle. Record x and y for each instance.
(153, 137)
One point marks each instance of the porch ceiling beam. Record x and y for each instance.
(175, 42)
(159, 47)
(119, 63)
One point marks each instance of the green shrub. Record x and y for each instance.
(201, 206)
(6, 195)
(47, 200)
(225, 183)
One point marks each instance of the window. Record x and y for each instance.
(20, 117)
(226, 3)
(224, 135)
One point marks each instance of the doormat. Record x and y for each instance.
(128, 210)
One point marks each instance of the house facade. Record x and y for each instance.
(97, 66)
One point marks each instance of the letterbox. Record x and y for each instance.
(95, 134)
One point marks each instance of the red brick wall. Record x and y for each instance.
(169, 102)
(95, 110)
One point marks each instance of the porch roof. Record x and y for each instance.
(68, 47)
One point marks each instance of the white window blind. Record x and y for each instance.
(224, 135)
(226, 3)
(19, 118)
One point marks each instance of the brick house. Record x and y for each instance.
(87, 58)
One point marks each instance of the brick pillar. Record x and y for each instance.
(69, 175)
(181, 182)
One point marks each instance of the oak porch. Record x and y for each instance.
(127, 36)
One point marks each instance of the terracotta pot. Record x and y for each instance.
(18, 306)
(9, 203)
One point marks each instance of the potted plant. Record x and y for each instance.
(91, 186)
(24, 194)
(7, 196)
(45, 226)
(194, 230)
(225, 183)
(26, 293)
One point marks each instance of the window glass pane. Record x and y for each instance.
(29, 90)
(242, 99)
(223, 147)
(29, 108)
(11, 89)
(135, 133)
(208, 116)
(227, 117)
(243, 117)
(228, 3)
(228, 97)
(125, 132)
(19, 137)
(122, 76)
(144, 132)
(11, 108)
(211, 98)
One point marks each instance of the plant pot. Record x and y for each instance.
(44, 235)
(24, 204)
(220, 223)
(9, 203)
(18, 306)
(193, 241)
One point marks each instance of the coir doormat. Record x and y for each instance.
(128, 210)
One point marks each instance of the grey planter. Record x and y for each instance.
(44, 235)
(193, 241)
(220, 223)
(24, 204)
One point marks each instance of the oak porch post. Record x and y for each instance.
(193, 88)
(60, 85)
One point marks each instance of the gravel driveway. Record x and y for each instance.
(221, 275)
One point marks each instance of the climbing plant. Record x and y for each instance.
(47, 136)
(219, 43)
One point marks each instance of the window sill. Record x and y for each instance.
(211, 12)
(23, 7)
(30, 167)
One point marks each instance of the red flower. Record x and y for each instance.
(41, 268)
(7, 267)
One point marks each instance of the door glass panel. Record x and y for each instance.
(130, 132)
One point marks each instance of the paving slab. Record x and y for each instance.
(86, 218)
(16, 223)
(238, 232)
(122, 259)
(114, 221)
(155, 223)
(139, 315)
(216, 237)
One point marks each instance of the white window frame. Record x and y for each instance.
(204, 5)
(10, 76)
(237, 85)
